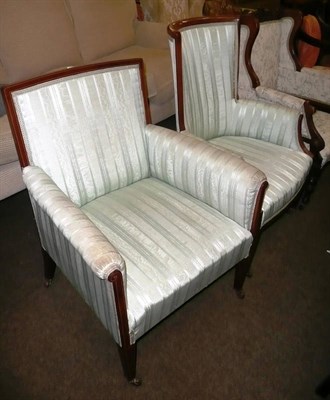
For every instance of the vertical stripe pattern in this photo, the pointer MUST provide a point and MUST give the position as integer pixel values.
(217, 177)
(70, 127)
(173, 246)
(208, 58)
(211, 109)
(75, 244)
(286, 169)
(170, 237)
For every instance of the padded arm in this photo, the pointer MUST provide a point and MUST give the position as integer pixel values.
(151, 34)
(309, 83)
(86, 257)
(309, 131)
(218, 178)
(72, 224)
(284, 99)
(269, 122)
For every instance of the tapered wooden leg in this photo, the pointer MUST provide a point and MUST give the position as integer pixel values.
(310, 183)
(128, 361)
(253, 250)
(241, 271)
(127, 351)
(49, 268)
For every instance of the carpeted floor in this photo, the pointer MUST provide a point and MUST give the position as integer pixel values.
(273, 345)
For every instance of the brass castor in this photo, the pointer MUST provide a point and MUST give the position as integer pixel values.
(136, 382)
(48, 282)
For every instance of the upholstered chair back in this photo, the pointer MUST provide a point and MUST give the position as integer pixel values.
(57, 119)
(205, 57)
(214, 51)
(271, 53)
(265, 56)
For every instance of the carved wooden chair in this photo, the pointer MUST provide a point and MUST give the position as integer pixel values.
(281, 79)
(205, 54)
(137, 217)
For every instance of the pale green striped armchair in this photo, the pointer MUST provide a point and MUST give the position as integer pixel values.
(205, 58)
(139, 218)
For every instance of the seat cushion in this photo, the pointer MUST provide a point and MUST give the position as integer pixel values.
(173, 245)
(285, 169)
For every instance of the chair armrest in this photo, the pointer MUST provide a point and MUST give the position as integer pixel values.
(311, 84)
(73, 226)
(277, 97)
(316, 82)
(309, 131)
(317, 79)
(222, 180)
(84, 254)
(269, 122)
(151, 34)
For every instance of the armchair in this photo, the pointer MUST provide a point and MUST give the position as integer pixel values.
(283, 80)
(137, 217)
(205, 58)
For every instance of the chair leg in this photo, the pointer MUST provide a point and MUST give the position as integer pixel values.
(128, 362)
(311, 182)
(244, 267)
(253, 250)
(49, 268)
(241, 271)
(127, 351)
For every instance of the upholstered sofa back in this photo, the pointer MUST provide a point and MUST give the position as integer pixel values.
(36, 36)
(104, 29)
(55, 34)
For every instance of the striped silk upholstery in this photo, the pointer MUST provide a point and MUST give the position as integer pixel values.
(286, 169)
(218, 178)
(83, 253)
(263, 134)
(70, 129)
(210, 108)
(139, 218)
(173, 245)
(208, 103)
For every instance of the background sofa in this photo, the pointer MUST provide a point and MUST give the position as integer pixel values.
(171, 10)
(55, 34)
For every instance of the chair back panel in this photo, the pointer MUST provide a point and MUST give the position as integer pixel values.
(86, 131)
(271, 50)
(209, 68)
(265, 56)
(288, 24)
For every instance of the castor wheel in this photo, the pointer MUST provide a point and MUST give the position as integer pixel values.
(48, 282)
(136, 382)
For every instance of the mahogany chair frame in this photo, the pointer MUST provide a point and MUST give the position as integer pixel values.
(127, 351)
